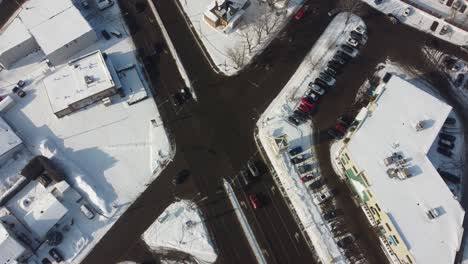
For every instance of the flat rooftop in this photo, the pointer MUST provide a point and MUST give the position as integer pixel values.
(15, 33)
(36, 12)
(8, 138)
(391, 128)
(60, 30)
(68, 85)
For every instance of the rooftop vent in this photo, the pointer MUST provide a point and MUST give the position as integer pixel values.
(395, 157)
(88, 79)
(420, 125)
(432, 214)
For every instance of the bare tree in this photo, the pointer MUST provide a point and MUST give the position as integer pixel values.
(351, 6)
(270, 21)
(258, 29)
(248, 37)
(237, 56)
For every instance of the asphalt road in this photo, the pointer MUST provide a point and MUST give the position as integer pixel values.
(214, 137)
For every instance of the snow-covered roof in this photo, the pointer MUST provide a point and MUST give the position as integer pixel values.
(60, 30)
(8, 138)
(45, 212)
(15, 34)
(390, 128)
(68, 85)
(10, 249)
(36, 12)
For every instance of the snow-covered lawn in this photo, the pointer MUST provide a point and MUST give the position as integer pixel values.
(422, 20)
(109, 153)
(222, 46)
(273, 124)
(181, 227)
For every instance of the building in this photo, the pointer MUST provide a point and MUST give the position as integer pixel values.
(54, 26)
(15, 43)
(12, 251)
(10, 143)
(225, 14)
(384, 159)
(82, 82)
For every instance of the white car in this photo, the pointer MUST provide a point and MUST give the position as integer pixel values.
(360, 29)
(323, 196)
(352, 42)
(316, 88)
(86, 210)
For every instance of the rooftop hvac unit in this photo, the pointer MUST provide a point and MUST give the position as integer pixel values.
(420, 125)
(403, 173)
(88, 79)
(395, 157)
(433, 213)
(392, 172)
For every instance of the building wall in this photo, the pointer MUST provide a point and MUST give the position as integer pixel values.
(12, 55)
(62, 54)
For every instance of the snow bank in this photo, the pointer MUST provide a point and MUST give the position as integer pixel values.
(181, 227)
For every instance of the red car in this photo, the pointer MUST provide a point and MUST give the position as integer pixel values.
(307, 178)
(304, 108)
(308, 102)
(340, 128)
(254, 201)
(301, 13)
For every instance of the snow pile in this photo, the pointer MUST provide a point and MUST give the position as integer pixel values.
(259, 26)
(180, 227)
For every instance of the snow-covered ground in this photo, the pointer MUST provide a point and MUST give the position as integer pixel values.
(109, 153)
(181, 227)
(219, 45)
(422, 20)
(273, 124)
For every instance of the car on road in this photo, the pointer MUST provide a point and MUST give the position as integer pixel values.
(307, 177)
(304, 168)
(352, 42)
(314, 186)
(445, 152)
(334, 11)
(253, 169)
(55, 254)
(351, 51)
(447, 137)
(254, 201)
(317, 89)
(105, 34)
(301, 13)
(181, 176)
(296, 150)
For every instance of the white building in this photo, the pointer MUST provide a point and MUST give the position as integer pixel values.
(81, 83)
(55, 26)
(10, 143)
(15, 43)
(11, 250)
(384, 158)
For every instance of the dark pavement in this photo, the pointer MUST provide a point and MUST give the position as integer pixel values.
(214, 137)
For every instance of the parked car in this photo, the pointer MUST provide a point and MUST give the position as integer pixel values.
(181, 176)
(305, 108)
(335, 134)
(445, 152)
(331, 215)
(323, 196)
(459, 80)
(295, 151)
(357, 36)
(345, 241)
(86, 210)
(300, 13)
(317, 89)
(351, 51)
(344, 55)
(316, 185)
(446, 144)
(327, 79)
(447, 137)
(334, 11)
(245, 177)
(352, 42)
(115, 33)
(253, 169)
(294, 120)
(339, 59)
(360, 30)
(254, 201)
(307, 177)
(449, 176)
(55, 254)
(21, 93)
(298, 159)
(434, 25)
(21, 83)
(105, 34)
(304, 168)
(450, 121)
(46, 261)
(330, 72)
(321, 83)
(311, 97)
(84, 4)
(340, 128)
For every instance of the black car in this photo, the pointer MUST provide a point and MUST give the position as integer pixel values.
(46, 261)
(295, 151)
(345, 242)
(448, 176)
(316, 185)
(331, 72)
(344, 55)
(446, 144)
(15, 89)
(297, 159)
(339, 60)
(326, 77)
(445, 152)
(21, 83)
(294, 120)
(335, 134)
(178, 99)
(300, 115)
(387, 77)
(54, 253)
(329, 216)
(347, 48)
(21, 93)
(450, 121)
(447, 137)
(355, 35)
(459, 80)
(304, 168)
(321, 83)
(181, 176)
(105, 34)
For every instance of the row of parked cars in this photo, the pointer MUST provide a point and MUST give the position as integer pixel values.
(446, 141)
(327, 78)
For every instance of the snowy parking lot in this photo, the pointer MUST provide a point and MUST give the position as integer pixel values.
(283, 141)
